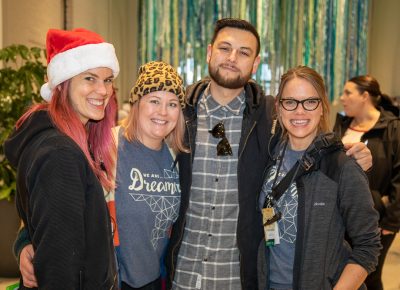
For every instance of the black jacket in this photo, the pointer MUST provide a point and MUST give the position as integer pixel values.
(61, 203)
(253, 158)
(384, 177)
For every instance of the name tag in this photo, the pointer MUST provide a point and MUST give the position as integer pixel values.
(271, 229)
(198, 281)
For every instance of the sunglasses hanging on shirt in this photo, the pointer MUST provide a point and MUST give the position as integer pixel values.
(223, 146)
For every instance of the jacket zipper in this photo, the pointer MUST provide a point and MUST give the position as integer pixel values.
(247, 138)
(240, 155)
(172, 274)
(184, 219)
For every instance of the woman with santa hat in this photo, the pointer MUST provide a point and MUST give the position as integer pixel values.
(63, 152)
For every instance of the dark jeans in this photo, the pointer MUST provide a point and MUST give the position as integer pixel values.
(374, 280)
(155, 285)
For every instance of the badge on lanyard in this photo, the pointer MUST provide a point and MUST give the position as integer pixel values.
(271, 229)
(270, 215)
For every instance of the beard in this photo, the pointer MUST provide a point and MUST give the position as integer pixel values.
(229, 83)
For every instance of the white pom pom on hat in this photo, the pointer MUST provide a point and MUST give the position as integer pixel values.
(70, 53)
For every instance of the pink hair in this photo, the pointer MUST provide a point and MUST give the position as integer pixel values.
(96, 137)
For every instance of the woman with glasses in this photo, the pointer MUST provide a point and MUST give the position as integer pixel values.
(372, 118)
(312, 196)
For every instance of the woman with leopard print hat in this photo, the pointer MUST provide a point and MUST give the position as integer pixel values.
(147, 195)
(146, 199)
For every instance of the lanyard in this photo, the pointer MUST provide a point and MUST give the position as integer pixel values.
(269, 199)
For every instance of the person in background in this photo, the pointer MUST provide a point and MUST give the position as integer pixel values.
(370, 119)
(214, 243)
(63, 152)
(308, 211)
(123, 113)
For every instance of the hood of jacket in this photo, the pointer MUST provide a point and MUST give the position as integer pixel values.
(35, 125)
(253, 93)
(384, 118)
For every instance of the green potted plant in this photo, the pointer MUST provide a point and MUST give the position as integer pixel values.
(21, 74)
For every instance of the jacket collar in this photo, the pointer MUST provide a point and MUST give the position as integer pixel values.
(253, 93)
(384, 118)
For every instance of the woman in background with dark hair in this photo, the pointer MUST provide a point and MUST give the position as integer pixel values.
(372, 118)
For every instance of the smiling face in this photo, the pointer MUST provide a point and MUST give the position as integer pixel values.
(232, 58)
(158, 115)
(89, 93)
(301, 125)
(353, 102)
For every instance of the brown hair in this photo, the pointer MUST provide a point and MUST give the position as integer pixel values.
(369, 84)
(315, 79)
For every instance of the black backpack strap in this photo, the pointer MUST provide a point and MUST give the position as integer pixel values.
(322, 145)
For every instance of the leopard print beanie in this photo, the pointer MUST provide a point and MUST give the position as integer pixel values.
(158, 76)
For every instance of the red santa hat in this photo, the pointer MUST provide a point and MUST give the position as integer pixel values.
(70, 53)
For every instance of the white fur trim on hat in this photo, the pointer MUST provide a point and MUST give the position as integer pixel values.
(72, 62)
(45, 92)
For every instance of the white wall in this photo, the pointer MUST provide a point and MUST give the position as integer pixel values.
(384, 45)
(26, 22)
(115, 20)
(124, 35)
(94, 15)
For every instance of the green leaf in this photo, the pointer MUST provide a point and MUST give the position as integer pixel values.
(5, 191)
(23, 52)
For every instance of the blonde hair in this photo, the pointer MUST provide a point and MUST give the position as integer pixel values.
(315, 79)
(175, 139)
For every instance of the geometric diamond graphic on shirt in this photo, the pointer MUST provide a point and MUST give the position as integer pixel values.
(167, 210)
(170, 174)
(287, 204)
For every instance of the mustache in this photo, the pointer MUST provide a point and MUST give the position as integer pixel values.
(228, 65)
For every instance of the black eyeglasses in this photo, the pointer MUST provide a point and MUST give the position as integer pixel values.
(223, 147)
(308, 104)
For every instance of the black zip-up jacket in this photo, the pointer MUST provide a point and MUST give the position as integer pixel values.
(384, 177)
(62, 205)
(253, 159)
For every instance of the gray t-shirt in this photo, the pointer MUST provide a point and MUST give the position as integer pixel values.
(281, 256)
(147, 201)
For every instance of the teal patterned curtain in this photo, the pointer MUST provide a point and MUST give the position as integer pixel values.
(327, 35)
